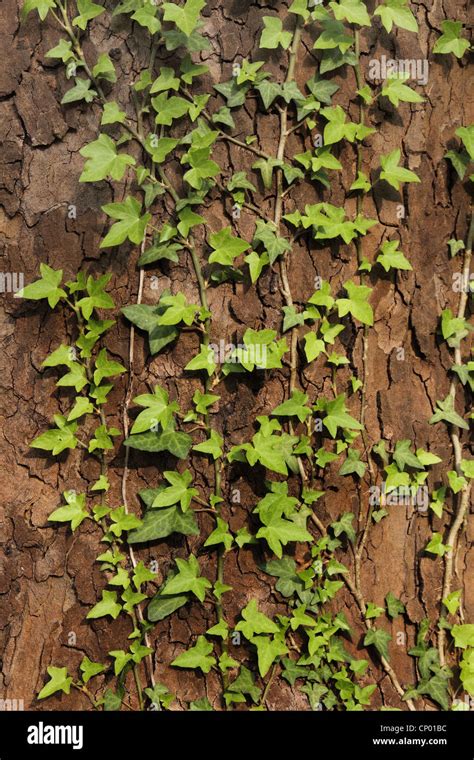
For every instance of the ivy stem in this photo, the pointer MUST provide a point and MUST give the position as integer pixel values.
(356, 593)
(285, 289)
(217, 462)
(464, 496)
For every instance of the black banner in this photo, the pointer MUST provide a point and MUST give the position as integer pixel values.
(339, 735)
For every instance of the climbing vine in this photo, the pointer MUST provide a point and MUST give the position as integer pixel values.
(159, 147)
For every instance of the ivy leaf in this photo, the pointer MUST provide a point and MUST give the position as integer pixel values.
(268, 649)
(396, 12)
(82, 406)
(146, 318)
(445, 412)
(277, 532)
(226, 247)
(294, 407)
(390, 257)
(373, 611)
(220, 535)
(123, 521)
(212, 446)
(436, 546)
(87, 11)
(379, 638)
(395, 90)
(90, 669)
(178, 491)
(59, 681)
(186, 17)
(273, 34)
(104, 68)
(188, 578)
(80, 91)
(394, 606)
(46, 287)
(161, 523)
(404, 457)
(63, 50)
(460, 162)
(199, 656)
(103, 160)
(132, 224)
(203, 360)
(108, 605)
(58, 439)
(353, 464)
(452, 601)
(353, 11)
(467, 136)
(338, 417)
(463, 635)
(255, 621)
(112, 114)
(451, 40)
(158, 409)
(175, 442)
(313, 346)
(96, 297)
(75, 511)
(42, 6)
(244, 684)
(393, 173)
(146, 17)
(105, 367)
(357, 303)
(344, 525)
(177, 310)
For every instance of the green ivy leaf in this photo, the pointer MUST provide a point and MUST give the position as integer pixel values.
(393, 173)
(90, 669)
(188, 578)
(42, 6)
(199, 656)
(80, 91)
(158, 410)
(294, 407)
(436, 546)
(273, 34)
(58, 680)
(75, 511)
(226, 247)
(390, 257)
(396, 12)
(59, 439)
(87, 11)
(379, 639)
(353, 11)
(445, 412)
(268, 649)
(452, 601)
(185, 17)
(46, 287)
(451, 40)
(394, 606)
(357, 303)
(396, 91)
(212, 446)
(103, 161)
(108, 605)
(131, 225)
